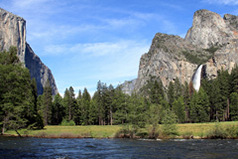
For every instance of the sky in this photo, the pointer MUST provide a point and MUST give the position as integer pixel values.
(84, 41)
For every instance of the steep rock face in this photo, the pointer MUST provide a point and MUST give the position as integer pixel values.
(210, 29)
(13, 33)
(167, 59)
(211, 41)
(39, 71)
(128, 86)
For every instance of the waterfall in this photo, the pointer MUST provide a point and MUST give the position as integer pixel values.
(197, 78)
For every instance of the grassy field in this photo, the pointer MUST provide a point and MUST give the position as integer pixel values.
(72, 131)
(198, 130)
(202, 129)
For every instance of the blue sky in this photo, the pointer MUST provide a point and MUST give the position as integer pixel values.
(84, 41)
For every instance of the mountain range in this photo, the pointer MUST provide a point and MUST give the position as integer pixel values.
(212, 41)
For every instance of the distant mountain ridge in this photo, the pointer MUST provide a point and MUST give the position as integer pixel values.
(13, 33)
(212, 41)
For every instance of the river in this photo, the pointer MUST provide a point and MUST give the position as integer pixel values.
(11, 147)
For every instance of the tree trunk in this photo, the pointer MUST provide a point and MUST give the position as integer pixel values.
(18, 133)
(3, 128)
(111, 116)
(4, 125)
(228, 109)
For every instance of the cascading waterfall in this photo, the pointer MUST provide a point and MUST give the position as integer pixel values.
(197, 78)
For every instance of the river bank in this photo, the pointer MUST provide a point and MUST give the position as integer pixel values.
(184, 131)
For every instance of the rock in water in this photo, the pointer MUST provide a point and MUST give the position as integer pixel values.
(13, 33)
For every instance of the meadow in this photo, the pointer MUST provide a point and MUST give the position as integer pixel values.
(187, 130)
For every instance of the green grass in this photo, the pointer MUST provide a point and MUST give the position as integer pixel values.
(202, 129)
(199, 130)
(71, 131)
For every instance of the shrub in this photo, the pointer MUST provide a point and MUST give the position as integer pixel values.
(219, 132)
(168, 123)
(67, 123)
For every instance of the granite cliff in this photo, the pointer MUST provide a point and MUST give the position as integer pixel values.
(13, 33)
(211, 41)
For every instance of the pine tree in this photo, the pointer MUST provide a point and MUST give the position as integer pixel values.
(234, 106)
(153, 91)
(85, 107)
(47, 103)
(58, 111)
(15, 92)
(234, 79)
(178, 107)
(77, 111)
(224, 84)
(171, 93)
(69, 103)
(199, 107)
(120, 103)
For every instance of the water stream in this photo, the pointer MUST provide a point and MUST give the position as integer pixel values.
(116, 148)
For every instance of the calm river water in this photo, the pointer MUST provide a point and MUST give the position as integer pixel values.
(116, 148)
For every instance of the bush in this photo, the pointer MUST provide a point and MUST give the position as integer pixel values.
(223, 133)
(232, 132)
(168, 123)
(67, 123)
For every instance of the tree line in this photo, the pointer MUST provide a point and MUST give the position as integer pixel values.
(20, 106)
(217, 100)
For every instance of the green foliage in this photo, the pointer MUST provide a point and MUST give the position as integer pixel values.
(199, 107)
(178, 107)
(234, 106)
(67, 123)
(47, 103)
(169, 120)
(219, 132)
(17, 93)
(153, 91)
(194, 57)
(58, 110)
(212, 49)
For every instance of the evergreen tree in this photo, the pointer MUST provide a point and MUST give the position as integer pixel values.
(171, 93)
(154, 117)
(213, 90)
(47, 103)
(177, 88)
(69, 103)
(234, 106)
(234, 79)
(85, 107)
(15, 92)
(224, 85)
(98, 96)
(199, 107)
(58, 111)
(153, 91)
(179, 109)
(120, 103)
(77, 111)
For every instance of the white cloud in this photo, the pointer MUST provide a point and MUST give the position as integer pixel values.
(98, 49)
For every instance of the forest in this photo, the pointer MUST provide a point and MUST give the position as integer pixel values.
(21, 107)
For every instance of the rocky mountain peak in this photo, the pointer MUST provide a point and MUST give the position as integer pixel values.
(209, 29)
(211, 41)
(13, 33)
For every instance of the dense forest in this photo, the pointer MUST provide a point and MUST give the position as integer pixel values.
(20, 106)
